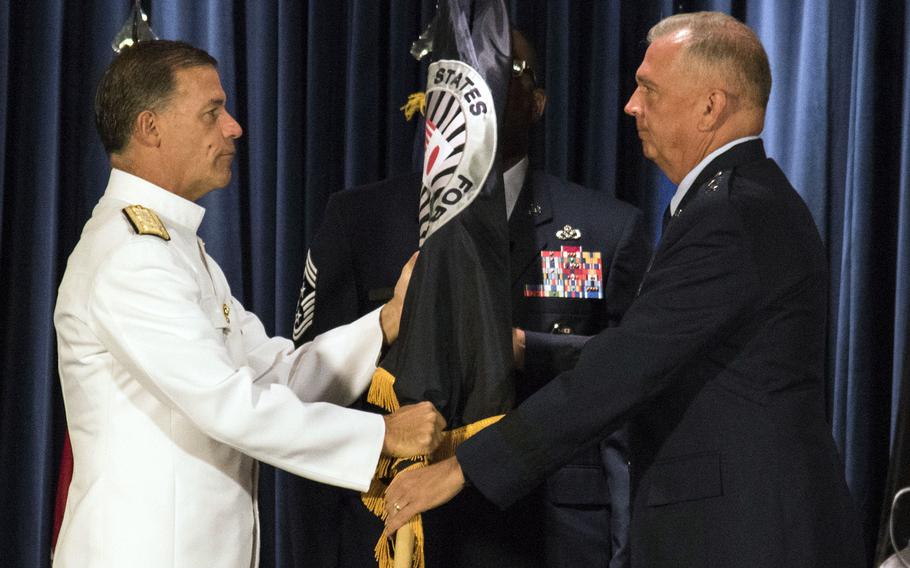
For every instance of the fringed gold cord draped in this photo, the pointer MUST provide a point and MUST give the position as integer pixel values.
(382, 394)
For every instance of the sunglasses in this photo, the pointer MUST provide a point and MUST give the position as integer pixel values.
(520, 66)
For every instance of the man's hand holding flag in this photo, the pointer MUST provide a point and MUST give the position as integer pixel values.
(415, 491)
(454, 349)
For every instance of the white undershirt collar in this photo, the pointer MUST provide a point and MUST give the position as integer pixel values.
(514, 179)
(135, 190)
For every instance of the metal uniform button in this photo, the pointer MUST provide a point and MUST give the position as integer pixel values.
(561, 329)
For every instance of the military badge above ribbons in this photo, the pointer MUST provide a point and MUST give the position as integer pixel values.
(454, 344)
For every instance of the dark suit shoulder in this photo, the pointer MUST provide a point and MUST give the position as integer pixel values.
(362, 196)
(762, 184)
(568, 195)
(774, 212)
(377, 215)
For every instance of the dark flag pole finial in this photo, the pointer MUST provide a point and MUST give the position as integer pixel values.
(423, 45)
(135, 29)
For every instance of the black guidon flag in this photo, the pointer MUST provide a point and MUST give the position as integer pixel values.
(454, 346)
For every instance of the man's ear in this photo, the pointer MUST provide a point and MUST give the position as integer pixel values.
(540, 103)
(146, 129)
(716, 107)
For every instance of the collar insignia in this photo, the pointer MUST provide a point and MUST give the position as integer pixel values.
(714, 182)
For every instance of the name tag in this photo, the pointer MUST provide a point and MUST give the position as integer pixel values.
(569, 272)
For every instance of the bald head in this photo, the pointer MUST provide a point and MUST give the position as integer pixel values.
(722, 48)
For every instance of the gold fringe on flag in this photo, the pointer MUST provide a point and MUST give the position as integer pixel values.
(382, 394)
(383, 552)
(416, 102)
(451, 439)
(382, 391)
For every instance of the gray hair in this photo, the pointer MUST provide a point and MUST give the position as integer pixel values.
(721, 44)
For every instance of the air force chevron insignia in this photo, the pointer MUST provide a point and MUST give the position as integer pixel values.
(459, 145)
(145, 222)
(306, 304)
(569, 272)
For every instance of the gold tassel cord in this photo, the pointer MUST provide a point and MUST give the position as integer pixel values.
(383, 552)
(416, 102)
(382, 391)
(382, 394)
(453, 438)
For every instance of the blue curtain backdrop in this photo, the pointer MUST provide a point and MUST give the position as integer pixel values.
(317, 86)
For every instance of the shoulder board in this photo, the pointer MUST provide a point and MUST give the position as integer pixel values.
(145, 222)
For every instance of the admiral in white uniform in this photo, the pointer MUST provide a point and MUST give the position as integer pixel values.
(172, 389)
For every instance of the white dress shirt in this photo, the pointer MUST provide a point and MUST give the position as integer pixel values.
(173, 390)
(514, 179)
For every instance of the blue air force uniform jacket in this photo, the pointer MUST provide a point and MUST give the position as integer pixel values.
(586, 502)
(718, 368)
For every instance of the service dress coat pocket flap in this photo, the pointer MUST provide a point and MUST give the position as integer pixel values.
(686, 478)
(579, 485)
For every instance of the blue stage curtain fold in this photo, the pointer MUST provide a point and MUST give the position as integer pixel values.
(317, 87)
(864, 356)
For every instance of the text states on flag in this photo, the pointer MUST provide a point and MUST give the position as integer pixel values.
(460, 142)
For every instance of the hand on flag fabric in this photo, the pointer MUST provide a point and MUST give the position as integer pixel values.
(414, 491)
(390, 315)
(412, 430)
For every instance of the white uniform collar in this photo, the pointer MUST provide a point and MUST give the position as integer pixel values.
(687, 181)
(137, 191)
(514, 179)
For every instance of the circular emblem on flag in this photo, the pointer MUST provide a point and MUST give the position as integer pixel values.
(460, 142)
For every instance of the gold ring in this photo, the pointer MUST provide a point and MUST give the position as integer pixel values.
(397, 507)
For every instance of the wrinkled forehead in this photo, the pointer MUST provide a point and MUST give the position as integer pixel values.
(661, 58)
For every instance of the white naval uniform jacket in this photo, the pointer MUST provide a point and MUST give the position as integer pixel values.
(169, 402)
